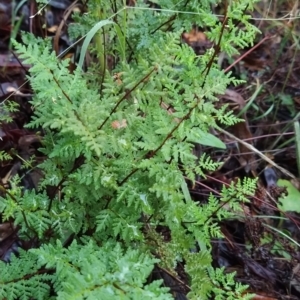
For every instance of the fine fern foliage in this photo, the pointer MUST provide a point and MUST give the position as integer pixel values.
(119, 147)
(23, 278)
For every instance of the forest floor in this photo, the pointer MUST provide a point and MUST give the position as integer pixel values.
(262, 247)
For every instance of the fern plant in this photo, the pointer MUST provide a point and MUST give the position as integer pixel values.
(119, 148)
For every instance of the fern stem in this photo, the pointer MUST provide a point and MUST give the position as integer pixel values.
(126, 95)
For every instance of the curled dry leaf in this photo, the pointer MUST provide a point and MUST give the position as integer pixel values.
(26, 140)
(52, 29)
(11, 89)
(234, 97)
(117, 78)
(197, 40)
(169, 109)
(119, 124)
(194, 36)
(241, 131)
(6, 229)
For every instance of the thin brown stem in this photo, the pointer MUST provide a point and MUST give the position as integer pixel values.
(169, 135)
(126, 95)
(248, 52)
(217, 47)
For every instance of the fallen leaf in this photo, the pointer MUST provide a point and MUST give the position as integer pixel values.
(119, 124)
(291, 202)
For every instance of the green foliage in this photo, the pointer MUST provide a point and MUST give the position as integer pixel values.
(7, 107)
(22, 278)
(108, 272)
(119, 148)
(4, 156)
(289, 201)
(80, 272)
(209, 282)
